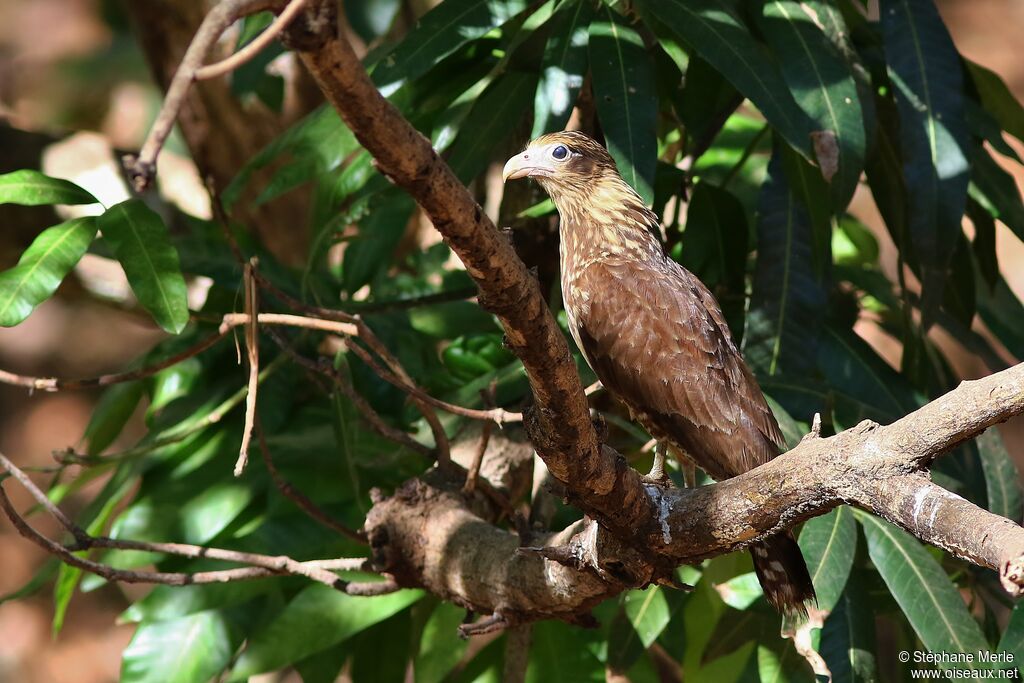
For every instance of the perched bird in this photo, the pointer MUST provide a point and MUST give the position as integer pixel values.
(655, 336)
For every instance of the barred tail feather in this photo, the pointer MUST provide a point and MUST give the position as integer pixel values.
(781, 569)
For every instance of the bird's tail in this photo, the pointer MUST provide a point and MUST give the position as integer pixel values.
(783, 574)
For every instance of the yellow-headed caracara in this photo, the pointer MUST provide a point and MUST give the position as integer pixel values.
(655, 335)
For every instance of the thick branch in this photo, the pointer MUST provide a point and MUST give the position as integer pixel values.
(506, 288)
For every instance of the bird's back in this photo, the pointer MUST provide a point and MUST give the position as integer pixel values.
(657, 339)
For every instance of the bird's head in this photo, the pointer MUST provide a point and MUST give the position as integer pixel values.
(566, 164)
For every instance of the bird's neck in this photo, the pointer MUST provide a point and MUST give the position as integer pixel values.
(606, 220)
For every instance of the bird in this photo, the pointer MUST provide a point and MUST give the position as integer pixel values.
(656, 337)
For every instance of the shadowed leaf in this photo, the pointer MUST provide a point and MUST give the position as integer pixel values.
(624, 93)
(933, 135)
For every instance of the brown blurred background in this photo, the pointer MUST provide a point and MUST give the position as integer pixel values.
(72, 65)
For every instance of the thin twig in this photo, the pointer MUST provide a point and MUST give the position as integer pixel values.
(253, 355)
(497, 415)
(258, 565)
(141, 168)
(376, 422)
(173, 435)
(297, 497)
(57, 384)
(254, 47)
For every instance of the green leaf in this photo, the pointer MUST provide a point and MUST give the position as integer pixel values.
(776, 665)
(315, 619)
(726, 44)
(491, 120)
(984, 243)
(560, 652)
(369, 253)
(32, 188)
(439, 33)
(1013, 637)
(1002, 480)
(108, 418)
(42, 268)
(172, 602)
(933, 133)
(848, 637)
(998, 100)
(997, 191)
(924, 592)
(441, 648)
(185, 650)
(787, 301)
(705, 95)
(623, 81)
(822, 83)
(829, 543)
(138, 237)
(563, 68)
(714, 247)
(1003, 314)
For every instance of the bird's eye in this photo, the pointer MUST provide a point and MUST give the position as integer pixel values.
(560, 152)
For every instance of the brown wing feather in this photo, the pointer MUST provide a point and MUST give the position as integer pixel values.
(657, 339)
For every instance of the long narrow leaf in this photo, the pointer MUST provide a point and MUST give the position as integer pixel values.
(829, 543)
(927, 597)
(32, 188)
(848, 637)
(823, 85)
(926, 73)
(42, 268)
(725, 43)
(139, 240)
(623, 79)
(565, 65)
(439, 33)
(1002, 480)
(787, 299)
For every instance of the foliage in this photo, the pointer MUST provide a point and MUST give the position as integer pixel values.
(832, 103)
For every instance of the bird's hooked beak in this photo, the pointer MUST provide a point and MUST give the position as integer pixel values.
(527, 164)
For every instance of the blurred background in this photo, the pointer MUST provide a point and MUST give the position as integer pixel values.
(75, 86)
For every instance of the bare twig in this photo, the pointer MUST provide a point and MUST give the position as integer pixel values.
(57, 384)
(258, 565)
(141, 168)
(372, 417)
(252, 340)
(296, 496)
(254, 47)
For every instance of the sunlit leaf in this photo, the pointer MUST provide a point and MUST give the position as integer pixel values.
(191, 648)
(924, 592)
(439, 33)
(32, 188)
(42, 267)
(565, 65)
(725, 43)
(315, 619)
(138, 237)
(823, 85)
(829, 543)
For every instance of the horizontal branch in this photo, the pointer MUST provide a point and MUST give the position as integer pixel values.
(255, 565)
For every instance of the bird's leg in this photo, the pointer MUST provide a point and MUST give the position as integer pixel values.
(657, 474)
(686, 466)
